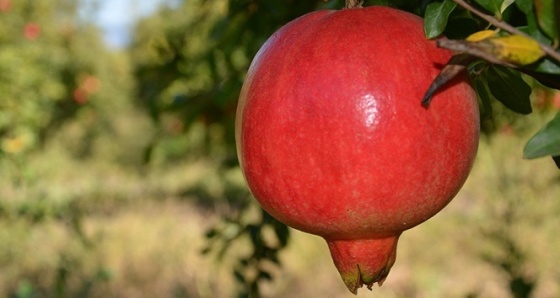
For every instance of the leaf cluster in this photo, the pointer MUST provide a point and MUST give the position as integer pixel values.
(267, 238)
(523, 42)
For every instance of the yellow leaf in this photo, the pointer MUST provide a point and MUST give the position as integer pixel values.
(480, 35)
(516, 49)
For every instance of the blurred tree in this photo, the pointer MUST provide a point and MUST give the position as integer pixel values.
(190, 61)
(53, 67)
(54, 70)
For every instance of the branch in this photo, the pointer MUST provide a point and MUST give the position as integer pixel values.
(550, 51)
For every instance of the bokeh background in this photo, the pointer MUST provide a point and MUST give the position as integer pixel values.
(119, 177)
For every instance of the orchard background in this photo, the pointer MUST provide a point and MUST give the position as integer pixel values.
(119, 177)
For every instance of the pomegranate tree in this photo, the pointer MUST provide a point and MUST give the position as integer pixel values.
(333, 140)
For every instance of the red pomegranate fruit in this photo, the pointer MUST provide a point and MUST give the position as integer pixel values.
(333, 140)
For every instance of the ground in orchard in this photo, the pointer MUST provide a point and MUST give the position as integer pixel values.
(140, 234)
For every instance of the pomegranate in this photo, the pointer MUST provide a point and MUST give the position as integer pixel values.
(31, 31)
(333, 140)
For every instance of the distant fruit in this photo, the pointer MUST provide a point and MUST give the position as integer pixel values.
(5, 5)
(31, 31)
(333, 140)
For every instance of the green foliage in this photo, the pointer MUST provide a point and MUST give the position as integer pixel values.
(538, 20)
(437, 14)
(484, 97)
(267, 237)
(56, 78)
(546, 141)
(509, 88)
(190, 61)
(548, 18)
(493, 6)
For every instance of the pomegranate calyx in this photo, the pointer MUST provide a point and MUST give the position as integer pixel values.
(363, 261)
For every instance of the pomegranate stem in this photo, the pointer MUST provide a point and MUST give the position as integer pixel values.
(354, 4)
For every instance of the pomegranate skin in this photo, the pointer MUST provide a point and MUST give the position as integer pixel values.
(333, 140)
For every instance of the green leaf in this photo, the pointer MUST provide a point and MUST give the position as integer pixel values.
(212, 233)
(484, 97)
(493, 6)
(436, 16)
(282, 233)
(206, 250)
(532, 29)
(545, 142)
(239, 276)
(548, 80)
(526, 6)
(548, 16)
(459, 27)
(509, 88)
(556, 160)
(547, 66)
(264, 275)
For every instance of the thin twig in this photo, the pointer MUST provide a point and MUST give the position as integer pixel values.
(550, 51)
